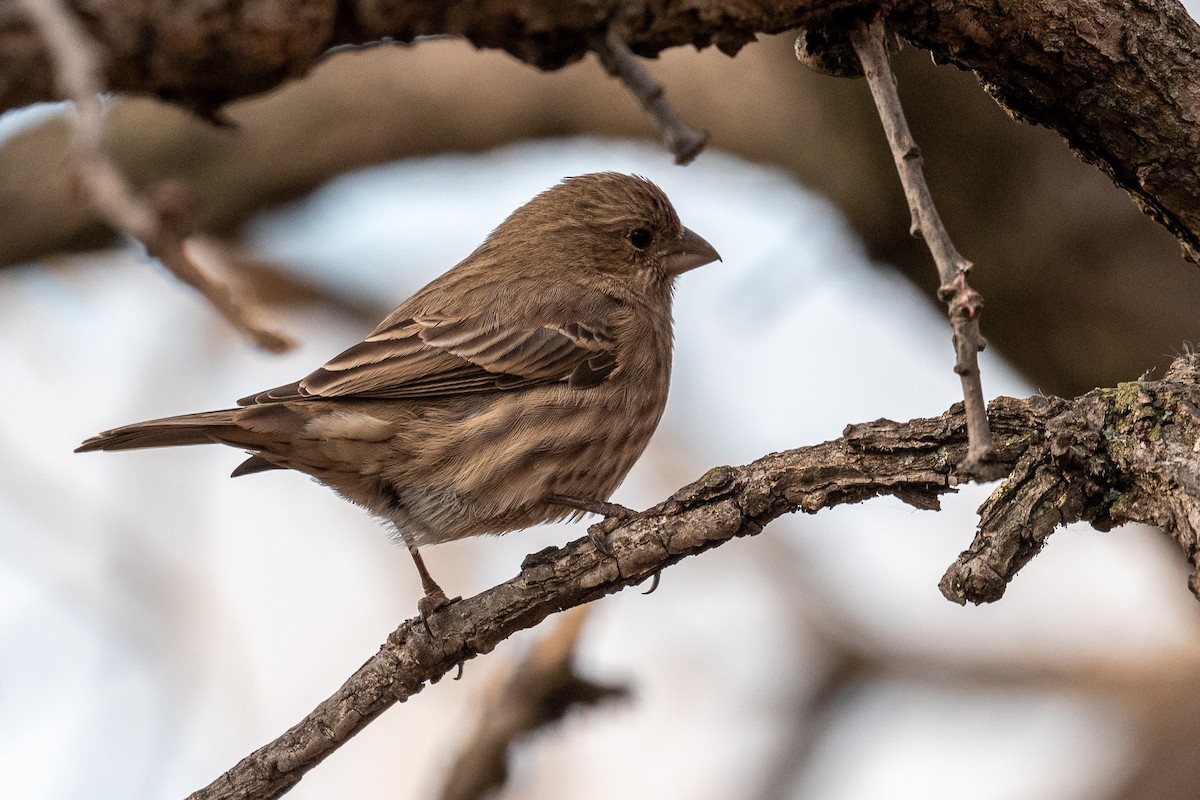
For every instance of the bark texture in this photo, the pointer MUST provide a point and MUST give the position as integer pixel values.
(1116, 78)
(1128, 454)
(1110, 456)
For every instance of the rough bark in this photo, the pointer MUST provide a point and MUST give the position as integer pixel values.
(1116, 78)
(1113, 456)
(1110, 456)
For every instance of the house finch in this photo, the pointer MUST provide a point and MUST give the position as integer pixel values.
(517, 388)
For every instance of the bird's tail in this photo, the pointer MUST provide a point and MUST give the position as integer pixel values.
(209, 427)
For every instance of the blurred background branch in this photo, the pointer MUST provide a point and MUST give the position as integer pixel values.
(161, 221)
(537, 692)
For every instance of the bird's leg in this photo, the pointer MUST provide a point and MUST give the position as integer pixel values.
(601, 507)
(434, 597)
(614, 514)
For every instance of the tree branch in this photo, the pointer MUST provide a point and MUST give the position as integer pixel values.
(1115, 455)
(1120, 82)
(1110, 456)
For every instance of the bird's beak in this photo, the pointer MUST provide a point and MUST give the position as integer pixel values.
(688, 252)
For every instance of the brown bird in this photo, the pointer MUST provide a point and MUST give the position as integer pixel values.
(517, 388)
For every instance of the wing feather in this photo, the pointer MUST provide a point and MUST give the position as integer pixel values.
(427, 355)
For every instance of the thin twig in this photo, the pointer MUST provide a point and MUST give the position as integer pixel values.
(684, 141)
(77, 70)
(963, 303)
(540, 690)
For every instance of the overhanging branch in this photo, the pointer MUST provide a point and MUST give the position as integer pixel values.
(1120, 82)
(1110, 456)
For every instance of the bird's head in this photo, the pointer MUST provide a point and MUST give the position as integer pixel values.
(618, 227)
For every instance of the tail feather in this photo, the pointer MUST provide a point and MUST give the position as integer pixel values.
(204, 428)
(254, 464)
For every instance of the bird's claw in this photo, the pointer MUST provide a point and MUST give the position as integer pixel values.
(654, 581)
(431, 602)
(598, 535)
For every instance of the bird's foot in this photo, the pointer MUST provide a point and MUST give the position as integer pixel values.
(432, 601)
(602, 507)
(615, 515)
(434, 597)
(598, 534)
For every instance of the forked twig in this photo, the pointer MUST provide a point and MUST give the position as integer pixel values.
(963, 303)
(684, 141)
(76, 60)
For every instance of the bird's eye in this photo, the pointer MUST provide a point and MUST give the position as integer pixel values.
(641, 238)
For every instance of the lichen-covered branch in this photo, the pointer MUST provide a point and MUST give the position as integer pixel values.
(1110, 456)
(1130, 454)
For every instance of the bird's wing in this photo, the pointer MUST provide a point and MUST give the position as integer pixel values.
(427, 355)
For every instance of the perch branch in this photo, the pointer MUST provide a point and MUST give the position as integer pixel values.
(161, 226)
(1124, 454)
(684, 141)
(962, 302)
(539, 692)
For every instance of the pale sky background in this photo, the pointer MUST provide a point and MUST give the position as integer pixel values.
(160, 621)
